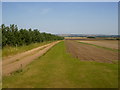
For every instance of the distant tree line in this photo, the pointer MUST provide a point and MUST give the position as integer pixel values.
(90, 37)
(13, 37)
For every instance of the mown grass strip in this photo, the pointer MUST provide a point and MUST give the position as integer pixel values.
(111, 49)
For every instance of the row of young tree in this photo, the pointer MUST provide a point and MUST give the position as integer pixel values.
(12, 36)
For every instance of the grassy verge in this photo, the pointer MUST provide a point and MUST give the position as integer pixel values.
(58, 69)
(111, 49)
(8, 50)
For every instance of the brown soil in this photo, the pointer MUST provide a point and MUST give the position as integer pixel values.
(90, 53)
(105, 43)
(19, 61)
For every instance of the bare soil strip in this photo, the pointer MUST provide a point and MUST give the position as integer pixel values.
(21, 55)
(13, 64)
(91, 53)
(106, 43)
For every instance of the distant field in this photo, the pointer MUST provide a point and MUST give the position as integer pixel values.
(58, 69)
(105, 43)
(75, 38)
(85, 38)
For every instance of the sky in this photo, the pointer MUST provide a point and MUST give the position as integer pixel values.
(63, 17)
(59, 0)
(0, 13)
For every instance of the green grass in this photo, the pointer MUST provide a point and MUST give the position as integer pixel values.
(58, 69)
(111, 49)
(8, 50)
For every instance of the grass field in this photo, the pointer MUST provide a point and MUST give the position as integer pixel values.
(58, 69)
(8, 50)
(0, 68)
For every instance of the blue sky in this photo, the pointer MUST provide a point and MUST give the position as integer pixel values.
(63, 17)
(0, 13)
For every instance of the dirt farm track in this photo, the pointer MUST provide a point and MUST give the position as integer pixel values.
(19, 61)
(90, 53)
